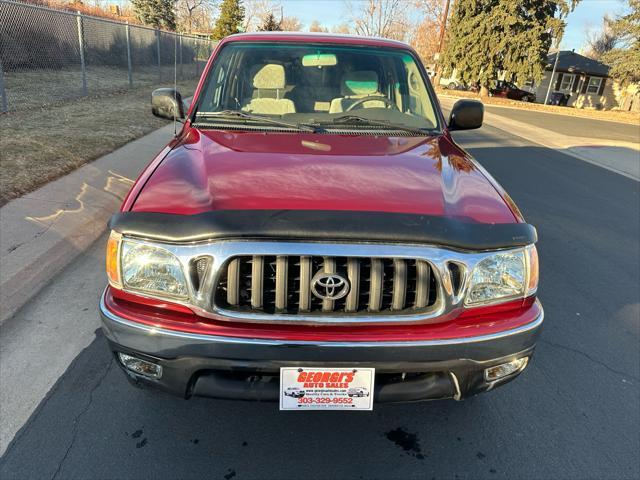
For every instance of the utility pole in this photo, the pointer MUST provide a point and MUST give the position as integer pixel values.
(443, 30)
(553, 72)
(443, 27)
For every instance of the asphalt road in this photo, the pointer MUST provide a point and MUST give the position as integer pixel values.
(571, 125)
(575, 413)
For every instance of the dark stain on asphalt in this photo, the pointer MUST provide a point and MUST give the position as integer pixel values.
(480, 455)
(231, 474)
(136, 434)
(195, 441)
(492, 470)
(141, 443)
(244, 444)
(407, 441)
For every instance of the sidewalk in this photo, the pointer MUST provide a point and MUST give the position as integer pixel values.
(43, 231)
(618, 156)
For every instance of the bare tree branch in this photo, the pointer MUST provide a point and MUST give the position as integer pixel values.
(379, 18)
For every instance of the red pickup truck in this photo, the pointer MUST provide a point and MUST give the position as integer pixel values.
(314, 227)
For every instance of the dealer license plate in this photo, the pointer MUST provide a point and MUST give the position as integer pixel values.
(317, 388)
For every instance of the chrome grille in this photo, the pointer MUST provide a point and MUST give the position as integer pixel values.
(282, 284)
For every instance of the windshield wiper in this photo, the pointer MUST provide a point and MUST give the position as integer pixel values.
(356, 119)
(249, 116)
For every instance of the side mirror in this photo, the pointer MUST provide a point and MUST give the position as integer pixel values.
(167, 103)
(466, 115)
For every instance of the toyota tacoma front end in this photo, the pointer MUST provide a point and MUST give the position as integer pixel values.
(314, 228)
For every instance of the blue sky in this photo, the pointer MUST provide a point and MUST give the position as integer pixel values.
(587, 15)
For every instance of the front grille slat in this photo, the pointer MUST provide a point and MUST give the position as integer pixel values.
(399, 284)
(288, 285)
(423, 282)
(375, 284)
(282, 267)
(304, 301)
(353, 274)
(233, 282)
(257, 277)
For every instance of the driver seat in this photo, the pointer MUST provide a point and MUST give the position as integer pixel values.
(355, 86)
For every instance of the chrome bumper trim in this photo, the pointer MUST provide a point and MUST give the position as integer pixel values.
(161, 332)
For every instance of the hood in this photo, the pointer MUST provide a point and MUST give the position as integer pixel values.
(220, 170)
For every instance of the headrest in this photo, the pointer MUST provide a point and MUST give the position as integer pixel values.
(363, 82)
(269, 77)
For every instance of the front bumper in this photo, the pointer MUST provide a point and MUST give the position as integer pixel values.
(240, 368)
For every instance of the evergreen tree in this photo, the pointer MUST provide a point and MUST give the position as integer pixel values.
(486, 37)
(270, 24)
(156, 13)
(230, 19)
(625, 59)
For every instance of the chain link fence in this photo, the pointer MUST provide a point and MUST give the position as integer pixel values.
(49, 56)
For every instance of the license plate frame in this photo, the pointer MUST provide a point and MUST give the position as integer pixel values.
(326, 388)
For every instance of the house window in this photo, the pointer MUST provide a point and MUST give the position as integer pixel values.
(594, 85)
(567, 81)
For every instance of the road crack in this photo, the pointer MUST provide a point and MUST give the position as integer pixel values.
(76, 420)
(589, 357)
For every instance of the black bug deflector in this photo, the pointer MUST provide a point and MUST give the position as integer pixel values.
(324, 225)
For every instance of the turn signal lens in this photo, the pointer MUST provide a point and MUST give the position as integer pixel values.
(532, 266)
(112, 263)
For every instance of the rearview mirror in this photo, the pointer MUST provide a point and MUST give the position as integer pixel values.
(167, 103)
(319, 60)
(466, 115)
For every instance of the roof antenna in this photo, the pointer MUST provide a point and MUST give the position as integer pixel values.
(175, 83)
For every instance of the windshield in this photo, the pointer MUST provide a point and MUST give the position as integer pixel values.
(299, 85)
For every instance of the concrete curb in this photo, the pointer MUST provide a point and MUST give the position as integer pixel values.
(43, 231)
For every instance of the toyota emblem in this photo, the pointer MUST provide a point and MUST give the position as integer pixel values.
(329, 286)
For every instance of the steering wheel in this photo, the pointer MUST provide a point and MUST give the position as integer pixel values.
(360, 102)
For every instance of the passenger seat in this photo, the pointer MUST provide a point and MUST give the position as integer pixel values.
(269, 82)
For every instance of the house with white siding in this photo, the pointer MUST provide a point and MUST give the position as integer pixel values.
(585, 80)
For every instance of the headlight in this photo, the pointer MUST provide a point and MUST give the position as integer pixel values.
(151, 269)
(504, 276)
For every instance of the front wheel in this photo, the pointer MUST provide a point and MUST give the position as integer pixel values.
(526, 98)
